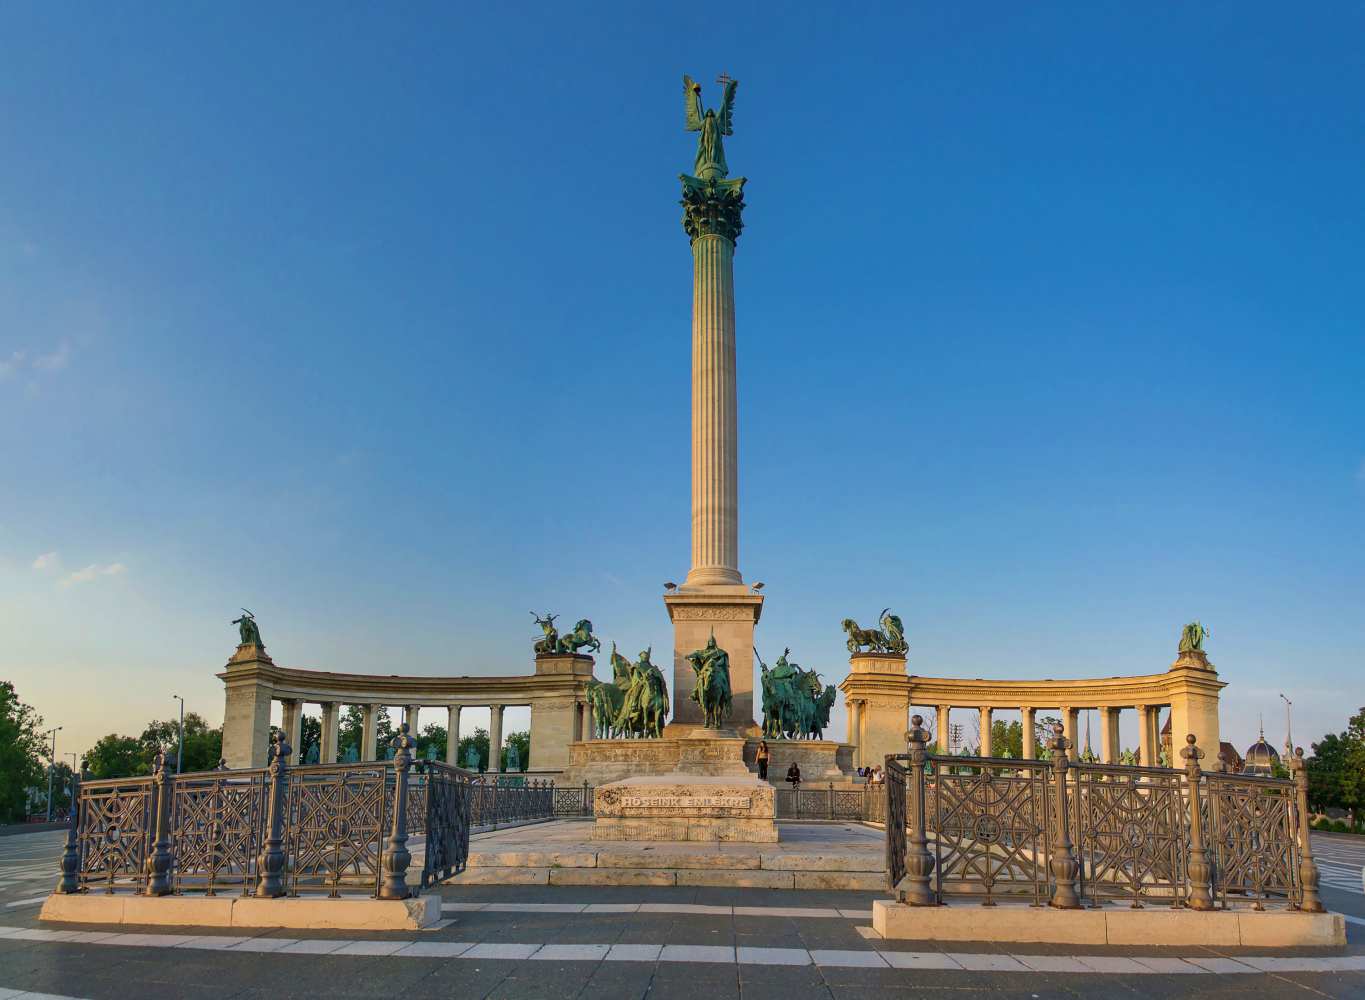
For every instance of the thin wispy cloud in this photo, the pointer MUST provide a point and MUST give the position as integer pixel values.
(93, 572)
(11, 364)
(55, 361)
(47, 561)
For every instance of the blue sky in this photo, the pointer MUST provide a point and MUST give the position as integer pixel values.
(376, 322)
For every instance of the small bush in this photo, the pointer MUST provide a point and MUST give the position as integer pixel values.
(1339, 826)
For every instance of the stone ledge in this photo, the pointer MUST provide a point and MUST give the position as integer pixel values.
(1022, 924)
(363, 914)
(749, 878)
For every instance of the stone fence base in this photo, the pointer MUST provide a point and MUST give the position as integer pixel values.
(1152, 925)
(355, 914)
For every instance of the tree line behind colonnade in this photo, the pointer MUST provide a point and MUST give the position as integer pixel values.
(431, 741)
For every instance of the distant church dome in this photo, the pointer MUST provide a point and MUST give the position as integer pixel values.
(1261, 757)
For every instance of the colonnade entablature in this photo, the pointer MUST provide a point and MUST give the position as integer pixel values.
(879, 694)
(556, 694)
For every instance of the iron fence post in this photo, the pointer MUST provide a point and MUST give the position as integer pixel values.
(270, 884)
(1198, 867)
(71, 855)
(1308, 869)
(1065, 867)
(829, 792)
(915, 889)
(397, 857)
(586, 801)
(159, 864)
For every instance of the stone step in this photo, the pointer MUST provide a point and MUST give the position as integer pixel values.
(744, 878)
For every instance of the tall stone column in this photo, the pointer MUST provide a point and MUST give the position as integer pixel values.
(453, 735)
(495, 738)
(369, 731)
(291, 721)
(943, 715)
(985, 749)
(1109, 735)
(1030, 748)
(855, 715)
(331, 726)
(713, 599)
(715, 431)
(1070, 723)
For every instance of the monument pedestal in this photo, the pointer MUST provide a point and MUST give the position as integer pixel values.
(686, 807)
(730, 613)
(877, 693)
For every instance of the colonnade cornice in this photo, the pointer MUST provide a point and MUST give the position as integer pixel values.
(327, 686)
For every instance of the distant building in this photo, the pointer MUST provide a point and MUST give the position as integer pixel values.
(1262, 758)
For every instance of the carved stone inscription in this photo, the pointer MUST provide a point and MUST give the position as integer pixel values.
(685, 802)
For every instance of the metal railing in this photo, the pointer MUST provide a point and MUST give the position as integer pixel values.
(831, 802)
(1070, 834)
(282, 830)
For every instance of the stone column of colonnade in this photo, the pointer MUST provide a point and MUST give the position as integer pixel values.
(291, 721)
(495, 738)
(369, 732)
(331, 732)
(453, 735)
(715, 435)
(985, 749)
(1026, 724)
(943, 740)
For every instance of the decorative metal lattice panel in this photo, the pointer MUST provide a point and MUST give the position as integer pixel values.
(989, 823)
(217, 829)
(573, 800)
(114, 832)
(1130, 832)
(896, 775)
(1252, 837)
(447, 821)
(338, 817)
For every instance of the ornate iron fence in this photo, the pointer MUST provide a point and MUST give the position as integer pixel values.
(111, 827)
(216, 823)
(1129, 829)
(856, 803)
(495, 803)
(991, 827)
(573, 800)
(279, 830)
(447, 803)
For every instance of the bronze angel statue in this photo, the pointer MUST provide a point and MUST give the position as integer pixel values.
(712, 125)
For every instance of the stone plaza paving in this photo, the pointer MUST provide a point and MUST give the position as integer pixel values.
(630, 941)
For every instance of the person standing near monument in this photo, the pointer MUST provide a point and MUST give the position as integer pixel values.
(763, 760)
(794, 775)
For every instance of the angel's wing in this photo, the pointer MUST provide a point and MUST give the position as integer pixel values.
(692, 103)
(727, 109)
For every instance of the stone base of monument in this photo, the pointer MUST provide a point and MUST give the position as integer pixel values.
(685, 808)
(600, 761)
(1018, 923)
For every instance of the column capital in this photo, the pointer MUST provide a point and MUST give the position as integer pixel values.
(712, 207)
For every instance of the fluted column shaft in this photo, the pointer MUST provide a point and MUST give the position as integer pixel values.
(715, 434)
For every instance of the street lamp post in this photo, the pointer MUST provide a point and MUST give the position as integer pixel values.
(180, 751)
(1288, 728)
(51, 766)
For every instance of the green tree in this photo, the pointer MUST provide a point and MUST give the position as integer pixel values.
(1007, 736)
(203, 746)
(1336, 769)
(116, 756)
(23, 751)
(432, 737)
